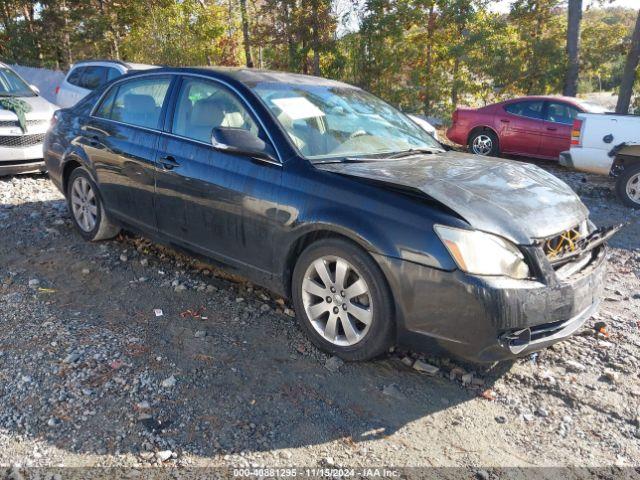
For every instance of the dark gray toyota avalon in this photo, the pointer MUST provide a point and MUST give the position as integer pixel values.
(327, 195)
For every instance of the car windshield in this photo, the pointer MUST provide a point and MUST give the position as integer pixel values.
(328, 121)
(11, 85)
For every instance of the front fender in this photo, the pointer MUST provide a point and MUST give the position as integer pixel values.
(387, 238)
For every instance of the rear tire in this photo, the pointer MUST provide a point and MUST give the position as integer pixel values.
(628, 186)
(350, 313)
(87, 210)
(485, 143)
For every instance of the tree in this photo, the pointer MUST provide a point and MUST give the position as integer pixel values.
(245, 33)
(574, 17)
(629, 74)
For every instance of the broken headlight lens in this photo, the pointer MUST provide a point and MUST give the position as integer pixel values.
(482, 253)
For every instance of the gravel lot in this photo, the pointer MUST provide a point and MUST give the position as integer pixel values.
(90, 375)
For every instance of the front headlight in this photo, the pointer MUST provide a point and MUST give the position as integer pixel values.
(482, 253)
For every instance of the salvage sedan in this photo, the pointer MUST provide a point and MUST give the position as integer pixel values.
(327, 195)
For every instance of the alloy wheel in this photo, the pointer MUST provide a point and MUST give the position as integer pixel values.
(337, 300)
(633, 188)
(83, 204)
(482, 145)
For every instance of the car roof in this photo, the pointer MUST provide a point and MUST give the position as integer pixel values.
(252, 76)
(127, 65)
(571, 100)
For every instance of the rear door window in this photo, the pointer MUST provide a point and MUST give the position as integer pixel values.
(528, 108)
(112, 73)
(75, 75)
(93, 77)
(135, 102)
(559, 112)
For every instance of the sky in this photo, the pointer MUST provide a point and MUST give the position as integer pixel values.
(351, 24)
(503, 5)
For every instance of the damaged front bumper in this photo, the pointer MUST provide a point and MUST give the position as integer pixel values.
(486, 319)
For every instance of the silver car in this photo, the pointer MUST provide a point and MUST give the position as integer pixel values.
(85, 76)
(21, 145)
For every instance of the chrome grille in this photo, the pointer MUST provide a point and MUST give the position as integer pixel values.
(21, 141)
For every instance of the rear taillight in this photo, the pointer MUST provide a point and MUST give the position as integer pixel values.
(454, 117)
(57, 89)
(576, 130)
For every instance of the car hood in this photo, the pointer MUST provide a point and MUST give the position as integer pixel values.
(41, 109)
(515, 200)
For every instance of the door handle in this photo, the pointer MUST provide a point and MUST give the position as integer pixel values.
(168, 162)
(552, 129)
(504, 120)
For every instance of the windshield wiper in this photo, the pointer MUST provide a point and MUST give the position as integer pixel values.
(381, 157)
(349, 160)
(413, 151)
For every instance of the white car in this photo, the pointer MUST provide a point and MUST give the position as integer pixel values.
(84, 77)
(608, 145)
(21, 145)
(425, 125)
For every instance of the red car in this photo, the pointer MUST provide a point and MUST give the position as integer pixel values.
(536, 126)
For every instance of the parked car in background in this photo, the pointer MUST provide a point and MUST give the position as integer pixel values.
(84, 77)
(329, 196)
(608, 145)
(536, 126)
(425, 125)
(21, 142)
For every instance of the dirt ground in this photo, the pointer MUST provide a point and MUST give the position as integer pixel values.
(90, 375)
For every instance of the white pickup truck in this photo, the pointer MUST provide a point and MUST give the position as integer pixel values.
(608, 145)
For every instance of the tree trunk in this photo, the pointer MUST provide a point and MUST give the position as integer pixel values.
(28, 12)
(574, 17)
(288, 27)
(245, 33)
(67, 60)
(429, 61)
(315, 38)
(629, 75)
(454, 83)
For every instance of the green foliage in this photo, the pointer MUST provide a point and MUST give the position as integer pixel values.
(425, 56)
(184, 33)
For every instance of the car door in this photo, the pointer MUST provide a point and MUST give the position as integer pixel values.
(520, 126)
(556, 132)
(218, 203)
(121, 138)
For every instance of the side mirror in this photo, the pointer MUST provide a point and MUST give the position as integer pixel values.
(35, 89)
(242, 142)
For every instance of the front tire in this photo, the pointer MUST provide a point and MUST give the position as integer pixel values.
(342, 300)
(484, 143)
(628, 186)
(87, 209)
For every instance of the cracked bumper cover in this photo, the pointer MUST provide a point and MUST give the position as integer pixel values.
(473, 316)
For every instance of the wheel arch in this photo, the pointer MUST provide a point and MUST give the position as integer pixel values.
(482, 128)
(321, 232)
(73, 159)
